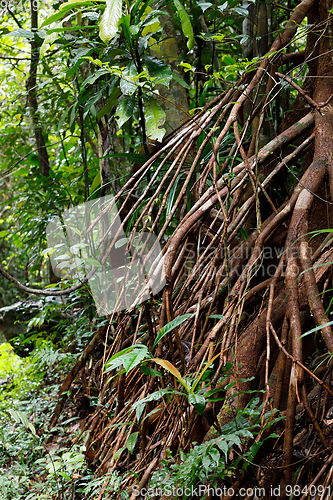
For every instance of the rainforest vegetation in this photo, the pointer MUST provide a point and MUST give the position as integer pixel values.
(197, 135)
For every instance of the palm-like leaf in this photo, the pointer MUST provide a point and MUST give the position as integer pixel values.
(108, 24)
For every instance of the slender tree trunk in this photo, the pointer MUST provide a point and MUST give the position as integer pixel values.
(43, 157)
(31, 83)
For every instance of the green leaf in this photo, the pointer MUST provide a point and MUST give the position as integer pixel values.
(126, 85)
(241, 11)
(121, 242)
(223, 447)
(223, 7)
(156, 410)
(233, 438)
(74, 3)
(21, 417)
(128, 357)
(316, 329)
(141, 159)
(119, 452)
(95, 184)
(181, 81)
(125, 24)
(198, 401)
(47, 43)
(216, 316)
(206, 462)
(92, 79)
(158, 68)
(134, 358)
(186, 23)
(155, 117)
(108, 25)
(147, 370)
(21, 33)
(204, 5)
(131, 441)
(171, 326)
(125, 109)
(65, 7)
(53, 18)
(14, 414)
(215, 455)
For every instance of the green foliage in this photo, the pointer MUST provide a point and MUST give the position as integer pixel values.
(210, 462)
(101, 67)
(194, 388)
(28, 470)
(186, 23)
(171, 326)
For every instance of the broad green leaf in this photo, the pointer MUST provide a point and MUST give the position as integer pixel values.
(92, 79)
(48, 41)
(93, 262)
(120, 358)
(155, 117)
(233, 438)
(121, 242)
(171, 326)
(95, 184)
(131, 441)
(158, 69)
(215, 455)
(126, 85)
(223, 446)
(147, 370)
(119, 452)
(108, 25)
(204, 5)
(172, 369)
(22, 33)
(198, 401)
(186, 23)
(241, 11)
(223, 7)
(125, 109)
(216, 316)
(74, 3)
(134, 358)
(125, 24)
(207, 462)
(181, 81)
(141, 159)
